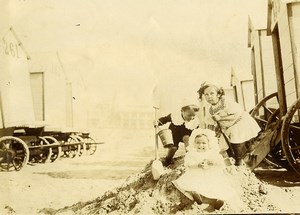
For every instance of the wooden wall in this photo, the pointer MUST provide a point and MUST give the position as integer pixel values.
(263, 66)
(284, 16)
(16, 101)
(294, 23)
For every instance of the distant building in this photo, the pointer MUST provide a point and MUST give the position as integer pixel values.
(127, 117)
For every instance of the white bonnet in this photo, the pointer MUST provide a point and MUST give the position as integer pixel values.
(213, 141)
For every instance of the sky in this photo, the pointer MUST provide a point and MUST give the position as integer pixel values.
(139, 52)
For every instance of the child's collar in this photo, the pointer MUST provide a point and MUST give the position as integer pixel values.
(177, 119)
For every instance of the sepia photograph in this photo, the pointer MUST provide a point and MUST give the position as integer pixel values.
(149, 107)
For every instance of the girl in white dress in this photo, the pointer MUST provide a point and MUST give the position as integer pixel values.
(238, 126)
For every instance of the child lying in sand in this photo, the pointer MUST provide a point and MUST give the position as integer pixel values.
(205, 180)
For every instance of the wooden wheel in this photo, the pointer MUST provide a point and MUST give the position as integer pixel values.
(267, 114)
(72, 147)
(276, 157)
(82, 145)
(91, 145)
(14, 153)
(56, 150)
(265, 109)
(38, 153)
(290, 136)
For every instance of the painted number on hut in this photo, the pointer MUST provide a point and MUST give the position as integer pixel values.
(11, 48)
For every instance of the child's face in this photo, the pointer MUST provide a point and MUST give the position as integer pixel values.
(201, 143)
(188, 115)
(211, 95)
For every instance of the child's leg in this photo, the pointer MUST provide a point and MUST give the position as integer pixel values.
(197, 197)
(171, 151)
(216, 204)
(239, 150)
(188, 194)
(223, 144)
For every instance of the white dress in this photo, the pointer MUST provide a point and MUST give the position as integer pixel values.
(239, 129)
(211, 181)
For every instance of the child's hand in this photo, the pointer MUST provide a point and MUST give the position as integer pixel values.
(216, 117)
(204, 164)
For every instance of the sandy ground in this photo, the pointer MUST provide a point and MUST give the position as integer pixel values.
(68, 181)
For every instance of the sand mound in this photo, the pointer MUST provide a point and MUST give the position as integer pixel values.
(140, 194)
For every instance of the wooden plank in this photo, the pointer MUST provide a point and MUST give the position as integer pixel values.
(295, 9)
(253, 71)
(268, 65)
(295, 33)
(37, 89)
(290, 86)
(291, 98)
(260, 149)
(287, 57)
(289, 74)
(279, 72)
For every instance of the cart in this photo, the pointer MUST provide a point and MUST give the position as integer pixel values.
(23, 137)
(23, 144)
(278, 112)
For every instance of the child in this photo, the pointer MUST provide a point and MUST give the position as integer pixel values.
(238, 126)
(205, 180)
(181, 123)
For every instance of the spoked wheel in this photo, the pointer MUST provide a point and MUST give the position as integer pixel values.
(73, 147)
(56, 150)
(40, 154)
(91, 145)
(265, 109)
(290, 136)
(276, 157)
(82, 146)
(267, 114)
(14, 153)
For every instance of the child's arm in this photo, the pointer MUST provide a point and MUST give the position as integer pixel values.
(163, 120)
(191, 159)
(185, 140)
(213, 159)
(229, 116)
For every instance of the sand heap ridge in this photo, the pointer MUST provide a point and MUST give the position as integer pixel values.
(140, 194)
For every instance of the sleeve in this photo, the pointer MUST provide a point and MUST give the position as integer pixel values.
(191, 158)
(232, 112)
(233, 108)
(163, 120)
(216, 159)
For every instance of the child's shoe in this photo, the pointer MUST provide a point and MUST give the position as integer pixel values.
(218, 204)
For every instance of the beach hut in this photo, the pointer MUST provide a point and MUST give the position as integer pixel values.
(15, 96)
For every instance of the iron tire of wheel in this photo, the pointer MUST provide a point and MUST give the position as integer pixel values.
(20, 150)
(290, 135)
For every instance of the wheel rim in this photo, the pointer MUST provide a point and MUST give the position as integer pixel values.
(82, 145)
(261, 112)
(276, 156)
(14, 153)
(266, 118)
(91, 146)
(290, 136)
(72, 148)
(45, 153)
(56, 151)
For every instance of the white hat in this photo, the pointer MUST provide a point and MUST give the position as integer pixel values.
(187, 101)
